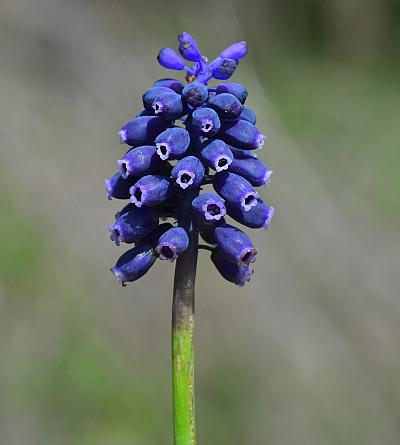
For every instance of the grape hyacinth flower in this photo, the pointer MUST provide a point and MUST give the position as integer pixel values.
(190, 166)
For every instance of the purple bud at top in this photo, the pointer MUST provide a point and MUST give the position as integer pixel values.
(248, 115)
(236, 89)
(172, 243)
(217, 155)
(168, 58)
(151, 190)
(243, 154)
(231, 272)
(195, 93)
(188, 172)
(223, 68)
(172, 143)
(236, 51)
(251, 169)
(226, 105)
(142, 130)
(257, 217)
(188, 47)
(173, 84)
(242, 134)
(151, 94)
(235, 245)
(117, 187)
(139, 161)
(209, 210)
(206, 121)
(236, 190)
(168, 105)
(134, 263)
(131, 226)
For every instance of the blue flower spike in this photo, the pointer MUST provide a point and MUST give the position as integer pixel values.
(193, 142)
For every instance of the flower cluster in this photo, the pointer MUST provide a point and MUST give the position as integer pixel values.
(184, 139)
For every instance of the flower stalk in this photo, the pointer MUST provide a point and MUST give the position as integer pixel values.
(183, 330)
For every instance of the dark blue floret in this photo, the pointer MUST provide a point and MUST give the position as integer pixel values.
(172, 243)
(117, 187)
(195, 93)
(236, 89)
(140, 161)
(242, 134)
(226, 105)
(131, 226)
(172, 84)
(205, 121)
(230, 271)
(217, 155)
(142, 130)
(188, 172)
(186, 141)
(236, 190)
(172, 143)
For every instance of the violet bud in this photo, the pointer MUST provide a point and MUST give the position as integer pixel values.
(231, 272)
(195, 93)
(168, 58)
(236, 51)
(236, 190)
(251, 169)
(172, 143)
(151, 190)
(248, 115)
(169, 105)
(242, 134)
(139, 161)
(236, 89)
(206, 121)
(134, 263)
(132, 225)
(188, 47)
(151, 94)
(209, 210)
(235, 245)
(217, 155)
(226, 105)
(243, 154)
(142, 130)
(257, 217)
(117, 187)
(172, 243)
(224, 68)
(188, 172)
(173, 84)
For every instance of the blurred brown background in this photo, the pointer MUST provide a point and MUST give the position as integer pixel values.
(307, 353)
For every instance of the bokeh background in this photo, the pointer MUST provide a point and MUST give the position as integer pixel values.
(308, 352)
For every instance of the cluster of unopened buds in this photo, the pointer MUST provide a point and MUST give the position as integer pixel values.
(184, 139)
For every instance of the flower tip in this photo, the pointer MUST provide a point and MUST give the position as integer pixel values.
(115, 234)
(123, 168)
(166, 252)
(163, 150)
(267, 177)
(270, 215)
(261, 141)
(107, 184)
(118, 275)
(249, 200)
(122, 136)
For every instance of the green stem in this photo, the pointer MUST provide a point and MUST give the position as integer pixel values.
(183, 331)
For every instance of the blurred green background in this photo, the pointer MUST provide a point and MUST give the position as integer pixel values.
(308, 352)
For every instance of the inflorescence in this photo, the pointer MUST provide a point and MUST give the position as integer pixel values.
(185, 138)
